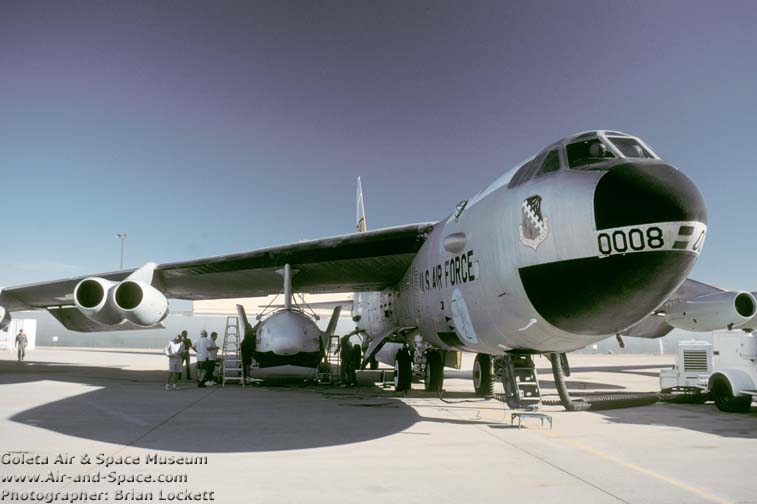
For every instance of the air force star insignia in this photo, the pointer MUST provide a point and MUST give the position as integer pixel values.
(534, 226)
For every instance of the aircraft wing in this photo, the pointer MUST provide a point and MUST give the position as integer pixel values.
(655, 326)
(366, 261)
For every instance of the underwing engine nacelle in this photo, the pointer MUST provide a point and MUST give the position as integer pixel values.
(722, 310)
(140, 303)
(93, 297)
(5, 318)
(133, 299)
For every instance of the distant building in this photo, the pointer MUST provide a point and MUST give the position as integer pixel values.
(320, 304)
(8, 336)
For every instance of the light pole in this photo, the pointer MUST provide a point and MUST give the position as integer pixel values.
(122, 237)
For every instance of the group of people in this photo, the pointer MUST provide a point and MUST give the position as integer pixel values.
(177, 351)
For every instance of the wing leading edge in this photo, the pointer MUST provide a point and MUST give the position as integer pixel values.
(364, 261)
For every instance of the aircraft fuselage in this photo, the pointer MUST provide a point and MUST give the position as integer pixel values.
(553, 262)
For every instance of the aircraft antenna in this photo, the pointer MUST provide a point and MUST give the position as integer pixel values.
(361, 227)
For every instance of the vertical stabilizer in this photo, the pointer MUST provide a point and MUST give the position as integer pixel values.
(360, 208)
(334, 320)
(246, 327)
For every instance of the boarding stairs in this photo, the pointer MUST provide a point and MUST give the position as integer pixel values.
(520, 381)
(231, 357)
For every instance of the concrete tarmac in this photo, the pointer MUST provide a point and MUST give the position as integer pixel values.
(106, 413)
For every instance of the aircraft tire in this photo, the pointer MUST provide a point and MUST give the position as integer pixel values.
(434, 375)
(403, 371)
(482, 375)
(724, 399)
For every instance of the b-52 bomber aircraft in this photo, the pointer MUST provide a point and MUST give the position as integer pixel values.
(592, 237)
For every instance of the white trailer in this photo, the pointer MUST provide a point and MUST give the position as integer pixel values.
(724, 371)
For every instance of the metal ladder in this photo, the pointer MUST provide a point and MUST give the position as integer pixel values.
(332, 361)
(520, 381)
(232, 360)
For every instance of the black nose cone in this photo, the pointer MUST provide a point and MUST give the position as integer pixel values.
(609, 292)
(644, 192)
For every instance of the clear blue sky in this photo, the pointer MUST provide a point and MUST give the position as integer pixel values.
(203, 128)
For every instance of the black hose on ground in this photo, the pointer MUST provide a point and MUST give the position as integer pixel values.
(598, 401)
(562, 388)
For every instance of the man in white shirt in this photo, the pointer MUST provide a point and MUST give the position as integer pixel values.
(212, 358)
(173, 351)
(201, 347)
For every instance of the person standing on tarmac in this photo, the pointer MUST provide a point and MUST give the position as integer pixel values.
(346, 368)
(247, 348)
(185, 357)
(212, 358)
(21, 342)
(357, 357)
(174, 350)
(201, 347)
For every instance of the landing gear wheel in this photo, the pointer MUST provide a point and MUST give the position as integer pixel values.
(724, 399)
(403, 371)
(373, 363)
(482, 375)
(434, 375)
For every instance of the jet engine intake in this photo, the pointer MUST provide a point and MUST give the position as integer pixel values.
(93, 297)
(5, 318)
(722, 310)
(140, 303)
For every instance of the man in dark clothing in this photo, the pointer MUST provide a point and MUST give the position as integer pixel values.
(185, 356)
(247, 348)
(346, 368)
(357, 357)
(21, 342)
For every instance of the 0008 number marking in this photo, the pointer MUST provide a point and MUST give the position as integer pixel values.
(633, 240)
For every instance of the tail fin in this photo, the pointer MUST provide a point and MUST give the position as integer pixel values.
(246, 327)
(334, 319)
(360, 208)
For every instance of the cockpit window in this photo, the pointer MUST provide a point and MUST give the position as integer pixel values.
(631, 148)
(544, 163)
(587, 153)
(551, 163)
(526, 171)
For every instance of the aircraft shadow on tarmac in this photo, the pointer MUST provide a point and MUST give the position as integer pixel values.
(696, 417)
(572, 383)
(132, 408)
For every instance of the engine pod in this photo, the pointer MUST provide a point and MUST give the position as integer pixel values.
(722, 310)
(93, 297)
(5, 318)
(140, 303)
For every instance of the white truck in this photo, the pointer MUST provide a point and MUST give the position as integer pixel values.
(724, 371)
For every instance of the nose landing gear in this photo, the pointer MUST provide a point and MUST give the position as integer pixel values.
(482, 375)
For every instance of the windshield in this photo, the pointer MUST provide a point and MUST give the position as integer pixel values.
(587, 152)
(631, 148)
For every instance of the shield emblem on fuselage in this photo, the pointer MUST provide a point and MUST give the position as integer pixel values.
(534, 226)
